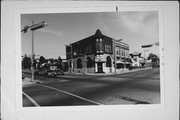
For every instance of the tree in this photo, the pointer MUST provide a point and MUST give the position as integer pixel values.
(34, 63)
(29, 63)
(59, 62)
(26, 62)
(51, 60)
(155, 59)
(42, 60)
(59, 59)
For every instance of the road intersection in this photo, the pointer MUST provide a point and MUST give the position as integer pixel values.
(138, 87)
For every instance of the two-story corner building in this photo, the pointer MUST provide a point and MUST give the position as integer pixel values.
(97, 54)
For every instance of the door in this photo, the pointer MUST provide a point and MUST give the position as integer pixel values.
(100, 67)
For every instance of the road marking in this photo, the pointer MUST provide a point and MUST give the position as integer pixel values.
(32, 100)
(71, 94)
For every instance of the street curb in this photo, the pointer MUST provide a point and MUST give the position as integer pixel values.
(29, 82)
(106, 74)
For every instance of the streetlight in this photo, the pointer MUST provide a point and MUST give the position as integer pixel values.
(33, 27)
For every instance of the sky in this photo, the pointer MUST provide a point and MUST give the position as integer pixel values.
(134, 28)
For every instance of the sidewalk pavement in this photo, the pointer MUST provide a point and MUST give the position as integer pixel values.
(28, 82)
(112, 73)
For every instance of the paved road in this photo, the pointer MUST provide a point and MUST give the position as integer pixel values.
(140, 87)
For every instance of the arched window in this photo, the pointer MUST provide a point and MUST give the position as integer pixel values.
(79, 63)
(108, 62)
(89, 62)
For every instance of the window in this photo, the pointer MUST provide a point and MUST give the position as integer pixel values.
(108, 62)
(123, 52)
(89, 62)
(120, 51)
(79, 63)
(107, 48)
(99, 45)
(87, 48)
(120, 65)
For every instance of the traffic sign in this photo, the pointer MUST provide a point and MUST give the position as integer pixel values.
(38, 26)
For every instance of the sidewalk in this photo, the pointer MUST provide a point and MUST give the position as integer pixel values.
(28, 82)
(112, 73)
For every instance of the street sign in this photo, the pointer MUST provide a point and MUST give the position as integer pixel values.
(145, 46)
(25, 29)
(38, 26)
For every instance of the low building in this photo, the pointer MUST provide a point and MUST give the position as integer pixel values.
(97, 54)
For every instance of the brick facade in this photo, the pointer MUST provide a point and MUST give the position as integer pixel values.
(97, 54)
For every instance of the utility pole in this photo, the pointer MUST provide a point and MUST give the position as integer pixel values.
(114, 46)
(33, 27)
(71, 58)
(85, 61)
(125, 59)
(32, 55)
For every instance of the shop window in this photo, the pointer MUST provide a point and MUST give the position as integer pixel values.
(79, 63)
(89, 62)
(120, 65)
(108, 62)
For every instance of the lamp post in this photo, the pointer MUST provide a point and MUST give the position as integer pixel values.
(32, 56)
(33, 27)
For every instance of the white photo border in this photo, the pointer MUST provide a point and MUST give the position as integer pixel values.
(75, 8)
(86, 10)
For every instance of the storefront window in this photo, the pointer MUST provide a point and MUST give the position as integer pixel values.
(89, 62)
(120, 65)
(79, 63)
(108, 62)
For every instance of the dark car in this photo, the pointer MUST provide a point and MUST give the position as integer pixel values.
(59, 72)
(48, 73)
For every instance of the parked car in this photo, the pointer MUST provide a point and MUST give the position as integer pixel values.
(48, 73)
(59, 72)
(50, 70)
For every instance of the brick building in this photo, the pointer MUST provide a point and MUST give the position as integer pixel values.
(97, 54)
